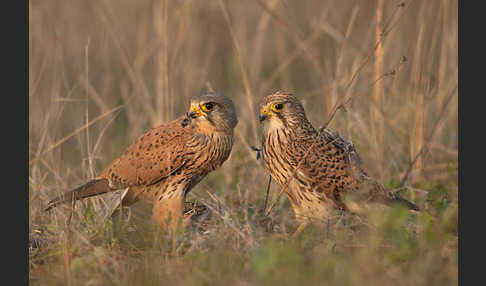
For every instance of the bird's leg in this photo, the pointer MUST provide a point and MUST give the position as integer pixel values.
(167, 212)
(301, 227)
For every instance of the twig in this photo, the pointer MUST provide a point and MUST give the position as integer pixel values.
(339, 103)
(65, 138)
(90, 155)
(224, 217)
(259, 152)
(392, 72)
(239, 57)
(296, 33)
(268, 191)
(429, 139)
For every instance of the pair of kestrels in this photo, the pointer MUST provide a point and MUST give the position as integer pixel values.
(313, 168)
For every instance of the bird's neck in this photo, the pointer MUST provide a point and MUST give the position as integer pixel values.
(207, 129)
(301, 129)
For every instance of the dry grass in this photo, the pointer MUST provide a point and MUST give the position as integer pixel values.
(103, 72)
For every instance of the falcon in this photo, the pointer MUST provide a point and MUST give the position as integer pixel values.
(166, 162)
(313, 168)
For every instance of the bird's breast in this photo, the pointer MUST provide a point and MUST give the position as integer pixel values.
(275, 155)
(210, 151)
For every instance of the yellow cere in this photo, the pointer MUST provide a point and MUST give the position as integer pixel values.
(264, 111)
(196, 109)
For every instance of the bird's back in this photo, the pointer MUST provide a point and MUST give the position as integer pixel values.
(154, 155)
(166, 156)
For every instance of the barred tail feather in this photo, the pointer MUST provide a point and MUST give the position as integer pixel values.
(380, 194)
(92, 188)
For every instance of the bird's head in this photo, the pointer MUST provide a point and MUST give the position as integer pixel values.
(211, 112)
(281, 110)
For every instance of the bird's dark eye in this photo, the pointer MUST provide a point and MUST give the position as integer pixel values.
(207, 106)
(277, 106)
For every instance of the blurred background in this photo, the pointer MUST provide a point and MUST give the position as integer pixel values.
(103, 72)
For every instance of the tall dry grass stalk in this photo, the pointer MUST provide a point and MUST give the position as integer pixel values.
(162, 99)
(376, 120)
(417, 131)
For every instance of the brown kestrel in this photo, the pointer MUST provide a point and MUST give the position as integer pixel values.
(166, 162)
(314, 169)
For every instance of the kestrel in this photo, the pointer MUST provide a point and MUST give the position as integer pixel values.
(313, 169)
(166, 162)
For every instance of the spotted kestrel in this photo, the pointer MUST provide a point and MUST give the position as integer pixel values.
(314, 169)
(166, 162)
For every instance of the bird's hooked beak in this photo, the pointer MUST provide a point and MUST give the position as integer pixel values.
(195, 112)
(264, 113)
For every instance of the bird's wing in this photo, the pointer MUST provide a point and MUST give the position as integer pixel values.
(327, 167)
(153, 156)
